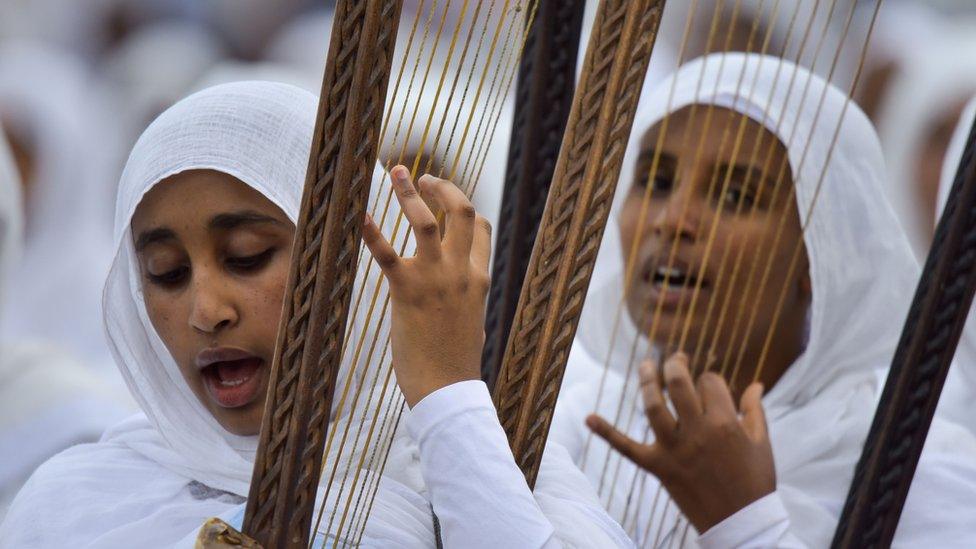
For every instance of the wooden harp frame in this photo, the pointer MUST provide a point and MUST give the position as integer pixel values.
(918, 371)
(543, 99)
(575, 216)
(284, 484)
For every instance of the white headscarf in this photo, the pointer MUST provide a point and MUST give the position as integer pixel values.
(934, 78)
(960, 387)
(820, 409)
(46, 99)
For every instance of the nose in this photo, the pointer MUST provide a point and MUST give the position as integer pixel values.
(678, 217)
(212, 308)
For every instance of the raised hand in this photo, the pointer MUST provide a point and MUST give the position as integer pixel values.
(438, 296)
(710, 460)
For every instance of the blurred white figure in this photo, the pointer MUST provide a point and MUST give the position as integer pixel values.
(61, 140)
(154, 68)
(303, 43)
(229, 71)
(917, 119)
(69, 24)
(959, 393)
(900, 28)
(247, 25)
(48, 401)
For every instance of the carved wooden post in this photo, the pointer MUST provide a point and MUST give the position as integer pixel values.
(572, 225)
(324, 259)
(918, 371)
(543, 99)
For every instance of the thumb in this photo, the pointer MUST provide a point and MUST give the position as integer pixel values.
(753, 414)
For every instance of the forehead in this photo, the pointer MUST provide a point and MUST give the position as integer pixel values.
(713, 131)
(194, 197)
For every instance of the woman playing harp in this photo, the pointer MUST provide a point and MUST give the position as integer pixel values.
(205, 220)
(793, 337)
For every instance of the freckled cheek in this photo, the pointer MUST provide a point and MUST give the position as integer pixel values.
(170, 318)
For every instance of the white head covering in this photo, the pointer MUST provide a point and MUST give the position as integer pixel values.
(934, 78)
(820, 409)
(46, 99)
(176, 459)
(960, 387)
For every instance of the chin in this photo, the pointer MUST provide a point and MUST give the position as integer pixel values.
(242, 423)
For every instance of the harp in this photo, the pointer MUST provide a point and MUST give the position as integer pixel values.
(353, 120)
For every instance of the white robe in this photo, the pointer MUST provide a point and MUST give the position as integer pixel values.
(157, 476)
(820, 410)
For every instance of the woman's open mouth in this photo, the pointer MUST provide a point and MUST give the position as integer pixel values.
(673, 285)
(232, 376)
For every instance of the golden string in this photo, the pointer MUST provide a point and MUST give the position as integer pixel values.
(415, 164)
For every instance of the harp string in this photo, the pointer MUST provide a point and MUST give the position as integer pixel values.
(365, 371)
(685, 139)
(792, 191)
(355, 310)
(512, 72)
(372, 345)
(757, 146)
(712, 184)
(726, 132)
(821, 178)
(830, 152)
(509, 78)
(689, 20)
(783, 166)
(786, 100)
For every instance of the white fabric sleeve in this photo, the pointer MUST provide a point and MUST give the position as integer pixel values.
(763, 523)
(478, 493)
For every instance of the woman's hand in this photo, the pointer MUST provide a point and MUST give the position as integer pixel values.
(712, 462)
(438, 296)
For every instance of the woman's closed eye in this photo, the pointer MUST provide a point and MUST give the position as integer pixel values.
(169, 278)
(250, 263)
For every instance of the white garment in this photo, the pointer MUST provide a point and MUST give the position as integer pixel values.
(46, 100)
(933, 79)
(959, 392)
(168, 470)
(47, 400)
(820, 409)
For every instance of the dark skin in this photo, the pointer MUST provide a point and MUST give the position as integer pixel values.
(680, 219)
(208, 285)
(214, 255)
(712, 457)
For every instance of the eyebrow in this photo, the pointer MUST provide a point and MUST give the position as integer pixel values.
(153, 236)
(756, 174)
(232, 220)
(221, 222)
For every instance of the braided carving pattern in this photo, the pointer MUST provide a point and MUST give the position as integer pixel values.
(919, 368)
(544, 94)
(573, 222)
(325, 258)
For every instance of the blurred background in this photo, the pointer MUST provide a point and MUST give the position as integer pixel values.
(81, 79)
